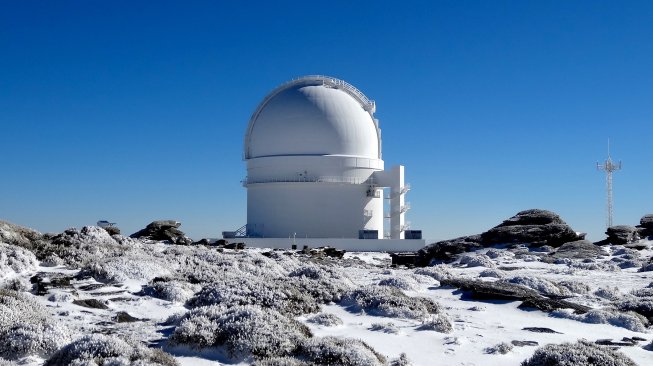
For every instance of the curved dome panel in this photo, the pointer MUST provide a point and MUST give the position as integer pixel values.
(313, 116)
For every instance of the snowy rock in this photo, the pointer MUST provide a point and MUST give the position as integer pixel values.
(448, 249)
(164, 230)
(622, 234)
(579, 249)
(476, 260)
(535, 226)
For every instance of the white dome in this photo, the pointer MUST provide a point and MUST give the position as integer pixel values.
(314, 115)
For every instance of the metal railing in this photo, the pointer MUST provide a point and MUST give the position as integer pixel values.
(323, 179)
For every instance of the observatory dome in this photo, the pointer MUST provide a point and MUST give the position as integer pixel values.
(314, 115)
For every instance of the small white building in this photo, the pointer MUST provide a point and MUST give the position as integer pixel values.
(315, 172)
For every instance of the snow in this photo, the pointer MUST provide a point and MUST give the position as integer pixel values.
(234, 284)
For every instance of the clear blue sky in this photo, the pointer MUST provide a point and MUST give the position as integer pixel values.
(135, 110)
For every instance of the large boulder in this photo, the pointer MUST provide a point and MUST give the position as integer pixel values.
(164, 230)
(646, 226)
(622, 234)
(537, 227)
(446, 250)
(580, 249)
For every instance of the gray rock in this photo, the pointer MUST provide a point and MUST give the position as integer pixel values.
(91, 303)
(538, 227)
(112, 230)
(524, 343)
(646, 221)
(580, 249)
(501, 290)
(164, 230)
(622, 234)
(447, 250)
(540, 330)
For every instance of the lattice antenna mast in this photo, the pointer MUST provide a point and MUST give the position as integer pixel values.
(609, 167)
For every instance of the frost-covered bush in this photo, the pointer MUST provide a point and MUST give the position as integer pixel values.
(280, 361)
(629, 320)
(102, 350)
(171, 290)
(390, 302)
(323, 283)
(575, 287)
(385, 328)
(402, 283)
(244, 331)
(60, 297)
(79, 248)
(640, 305)
(340, 351)
(438, 272)
(476, 260)
(608, 293)
(579, 353)
(19, 284)
(494, 253)
(15, 260)
(438, 323)
(543, 286)
(325, 319)
(136, 266)
(494, 273)
(402, 360)
(233, 289)
(26, 328)
(499, 349)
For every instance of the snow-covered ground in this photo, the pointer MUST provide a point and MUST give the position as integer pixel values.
(126, 284)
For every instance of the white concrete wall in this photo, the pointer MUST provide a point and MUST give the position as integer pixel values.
(352, 245)
(313, 210)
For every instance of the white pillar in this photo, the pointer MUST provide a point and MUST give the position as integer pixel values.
(397, 211)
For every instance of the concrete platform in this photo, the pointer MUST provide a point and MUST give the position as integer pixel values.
(352, 245)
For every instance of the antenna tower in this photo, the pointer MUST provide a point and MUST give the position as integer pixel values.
(609, 167)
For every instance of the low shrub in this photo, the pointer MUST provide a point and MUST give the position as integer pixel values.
(402, 283)
(99, 349)
(15, 260)
(26, 327)
(579, 353)
(499, 349)
(244, 331)
(171, 290)
(390, 302)
(438, 272)
(279, 294)
(439, 323)
(543, 286)
(389, 327)
(325, 319)
(629, 320)
(340, 351)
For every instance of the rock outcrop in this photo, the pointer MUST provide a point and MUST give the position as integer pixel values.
(164, 230)
(538, 227)
(622, 234)
(580, 249)
(645, 226)
(535, 227)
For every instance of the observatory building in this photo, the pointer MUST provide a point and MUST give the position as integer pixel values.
(315, 174)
